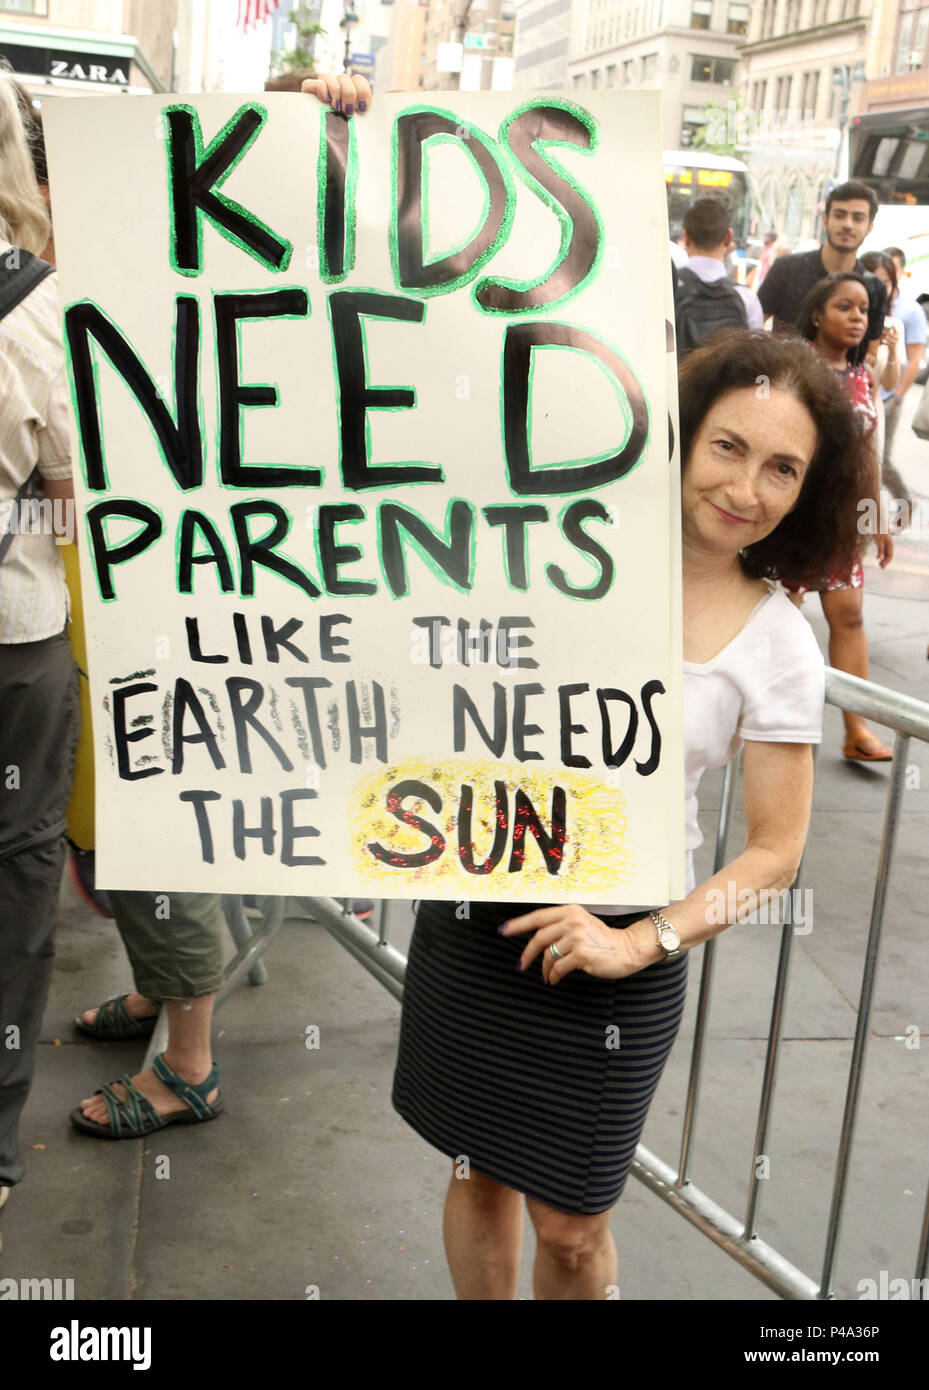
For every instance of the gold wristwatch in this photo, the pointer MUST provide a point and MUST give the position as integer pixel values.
(668, 939)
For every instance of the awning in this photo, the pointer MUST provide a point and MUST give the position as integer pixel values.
(86, 57)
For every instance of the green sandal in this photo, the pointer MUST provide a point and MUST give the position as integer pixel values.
(135, 1116)
(114, 1022)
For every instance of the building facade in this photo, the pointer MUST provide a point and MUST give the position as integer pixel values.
(486, 30)
(400, 62)
(687, 49)
(98, 47)
(898, 59)
(542, 45)
(803, 69)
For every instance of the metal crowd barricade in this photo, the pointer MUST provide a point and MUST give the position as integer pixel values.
(909, 719)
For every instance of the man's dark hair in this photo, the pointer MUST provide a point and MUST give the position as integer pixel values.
(706, 222)
(819, 296)
(820, 536)
(846, 192)
(288, 82)
(895, 251)
(881, 260)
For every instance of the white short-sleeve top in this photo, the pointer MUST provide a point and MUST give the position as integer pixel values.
(767, 685)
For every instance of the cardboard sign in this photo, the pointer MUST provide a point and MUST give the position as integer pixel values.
(380, 536)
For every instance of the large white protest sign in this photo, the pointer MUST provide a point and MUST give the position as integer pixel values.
(380, 536)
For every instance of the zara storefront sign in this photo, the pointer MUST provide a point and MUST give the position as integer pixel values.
(99, 68)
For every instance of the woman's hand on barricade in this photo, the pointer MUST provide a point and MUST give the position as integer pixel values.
(584, 941)
(885, 548)
(343, 93)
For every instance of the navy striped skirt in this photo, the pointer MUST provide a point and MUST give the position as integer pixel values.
(542, 1088)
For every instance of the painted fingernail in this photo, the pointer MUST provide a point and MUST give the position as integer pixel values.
(362, 106)
(502, 927)
(338, 105)
(349, 108)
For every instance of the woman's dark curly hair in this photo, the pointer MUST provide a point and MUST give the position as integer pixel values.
(820, 535)
(817, 299)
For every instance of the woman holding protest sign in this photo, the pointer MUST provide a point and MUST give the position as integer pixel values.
(532, 1042)
(545, 1091)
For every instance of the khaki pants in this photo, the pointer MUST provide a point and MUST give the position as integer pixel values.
(174, 942)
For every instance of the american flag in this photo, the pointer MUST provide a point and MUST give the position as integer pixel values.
(255, 12)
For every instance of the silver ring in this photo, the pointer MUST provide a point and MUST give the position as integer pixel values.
(554, 952)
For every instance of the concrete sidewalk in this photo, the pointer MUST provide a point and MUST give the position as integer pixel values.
(310, 1179)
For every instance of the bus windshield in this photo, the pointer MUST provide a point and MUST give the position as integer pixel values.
(686, 180)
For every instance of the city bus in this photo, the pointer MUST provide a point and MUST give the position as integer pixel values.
(889, 150)
(693, 174)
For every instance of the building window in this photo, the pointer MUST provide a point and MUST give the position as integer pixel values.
(914, 39)
(693, 118)
(737, 19)
(793, 213)
(611, 75)
(701, 13)
(578, 80)
(921, 41)
(810, 92)
(718, 70)
(595, 79)
(649, 66)
(24, 6)
(782, 93)
(628, 72)
(835, 94)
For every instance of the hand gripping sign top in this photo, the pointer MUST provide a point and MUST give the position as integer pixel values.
(380, 543)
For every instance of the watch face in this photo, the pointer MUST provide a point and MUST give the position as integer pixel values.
(669, 939)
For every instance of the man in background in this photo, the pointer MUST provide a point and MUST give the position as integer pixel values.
(911, 315)
(847, 220)
(707, 240)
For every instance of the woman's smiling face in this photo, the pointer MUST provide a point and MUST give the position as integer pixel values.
(745, 469)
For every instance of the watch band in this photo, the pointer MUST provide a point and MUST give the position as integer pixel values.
(664, 927)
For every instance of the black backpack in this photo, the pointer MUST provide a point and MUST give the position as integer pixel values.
(16, 281)
(702, 308)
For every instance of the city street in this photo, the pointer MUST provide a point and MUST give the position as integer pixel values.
(309, 1181)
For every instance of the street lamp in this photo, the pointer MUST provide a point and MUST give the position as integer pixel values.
(843, 77)
(346, 22)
